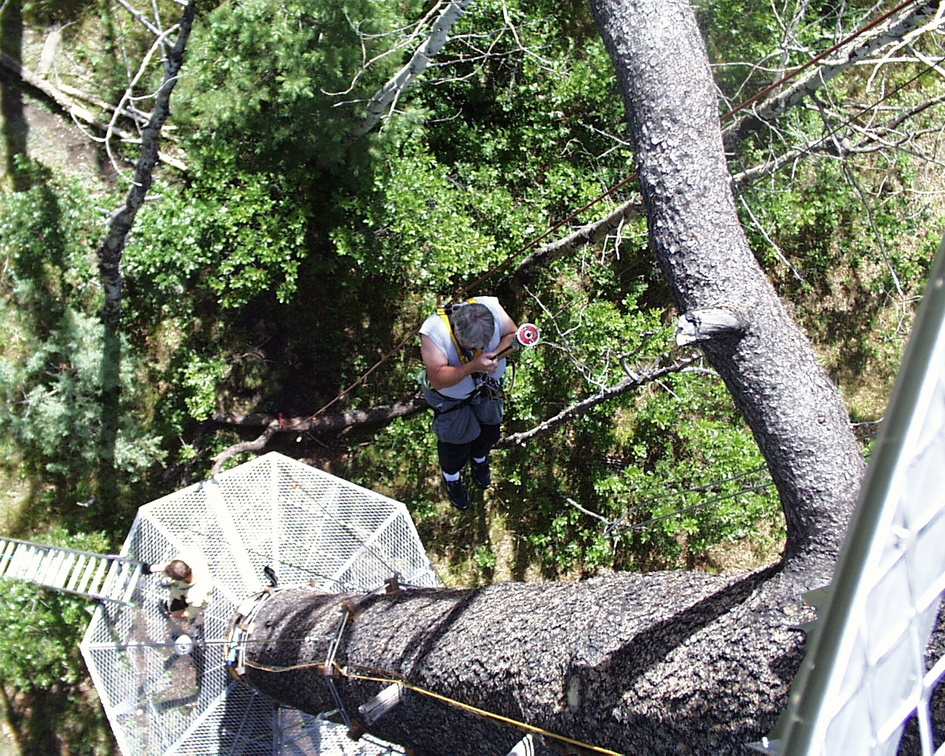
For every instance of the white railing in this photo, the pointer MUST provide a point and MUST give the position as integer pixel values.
(869, 675)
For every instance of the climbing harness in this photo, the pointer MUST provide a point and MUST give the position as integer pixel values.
(488, 388)
(465, 355)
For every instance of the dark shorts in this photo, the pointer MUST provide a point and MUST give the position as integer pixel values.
(177, 605)
(460, 421)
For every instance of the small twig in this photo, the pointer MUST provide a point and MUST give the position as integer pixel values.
(589, 513)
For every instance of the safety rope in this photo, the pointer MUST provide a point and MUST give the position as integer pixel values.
(616, 187)
(392, 680)
(479, 711)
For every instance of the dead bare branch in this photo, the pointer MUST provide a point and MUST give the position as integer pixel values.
(583, 407)
(66, 101)
(322, 425)
(895, 29)
(588, 512)
(121, 219)
(128, 95)
(386, 98)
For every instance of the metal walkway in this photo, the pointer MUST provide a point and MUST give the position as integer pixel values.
(104, 577)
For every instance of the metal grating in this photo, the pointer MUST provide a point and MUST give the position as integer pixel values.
(99, 576)
(168, 694)
(870, 670)
(301, 734)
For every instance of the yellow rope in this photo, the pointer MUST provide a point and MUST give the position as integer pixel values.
(445, 699)
(481, 712)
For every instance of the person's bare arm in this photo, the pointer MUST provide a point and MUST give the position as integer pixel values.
(509, 329)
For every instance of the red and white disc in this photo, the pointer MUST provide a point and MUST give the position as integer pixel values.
(528, 334)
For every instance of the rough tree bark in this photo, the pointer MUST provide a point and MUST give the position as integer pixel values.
(789, 402)
(658, 663)
(120, 220)
(633, 664)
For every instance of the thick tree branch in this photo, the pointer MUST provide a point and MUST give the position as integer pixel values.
(896, 27)
(382, 414)
(336, 423)
(697, 326)
(893, 30)
(794, 411)
(592, 233)
(369, 418)
(879, 137)
(605, 662)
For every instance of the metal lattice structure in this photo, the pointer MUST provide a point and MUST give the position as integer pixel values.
(103, 577)
(163, 682)
(870, 669)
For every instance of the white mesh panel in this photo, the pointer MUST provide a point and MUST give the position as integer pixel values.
(866, 675)
(274, 511)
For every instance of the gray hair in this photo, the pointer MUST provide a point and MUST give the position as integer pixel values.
(474, 325)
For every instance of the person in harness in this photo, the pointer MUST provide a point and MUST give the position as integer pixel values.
(462, 382)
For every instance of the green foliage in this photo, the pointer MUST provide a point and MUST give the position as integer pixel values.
(41, 668)
(202, 376)
(291, 257)
(670, 469)
(692, 476)
(46, 237)
(231, 245)
(419, 227)
(53, 400)
(51, 371)
(748, 41)
(398, 463)
(503, 148)
(265, 80)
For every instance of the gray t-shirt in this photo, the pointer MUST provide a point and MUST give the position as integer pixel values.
(439, 334)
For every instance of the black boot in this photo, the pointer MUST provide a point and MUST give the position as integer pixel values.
(458, 495)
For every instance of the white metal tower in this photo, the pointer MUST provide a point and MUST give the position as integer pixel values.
(164, 683)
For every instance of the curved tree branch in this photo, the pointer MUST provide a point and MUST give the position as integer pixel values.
(272, 426)
(586, 405)
(65, 98)
(382, 414)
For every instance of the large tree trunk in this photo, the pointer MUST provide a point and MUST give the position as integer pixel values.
(634, 664)
(788, 401)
